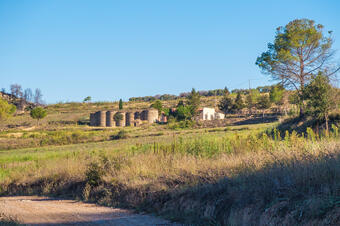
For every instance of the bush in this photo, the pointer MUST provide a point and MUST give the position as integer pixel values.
(122, 134)
(94, 174)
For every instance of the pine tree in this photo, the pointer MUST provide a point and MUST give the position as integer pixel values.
(120, 104)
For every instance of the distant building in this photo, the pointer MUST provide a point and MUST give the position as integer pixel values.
(210, 114)
(110, 119)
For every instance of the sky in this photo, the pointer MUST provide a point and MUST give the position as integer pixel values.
(109, 50)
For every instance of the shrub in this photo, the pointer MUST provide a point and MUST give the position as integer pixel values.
(38, 113)
(94, 174)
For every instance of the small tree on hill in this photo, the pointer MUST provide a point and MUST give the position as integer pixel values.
(226, 104)
(16, 90)
(184, 113)
(321, 98)
(6, 109)
(252, 98)
(263, 103)
(38, 113)
(226, 91)
(238, 104)
(157, 105)
(276, 95)
(120, 104)
(87, 99)
(38, 96)
(194, 102)
(28, 95)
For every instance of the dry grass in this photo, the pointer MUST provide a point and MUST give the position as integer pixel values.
(188, 177)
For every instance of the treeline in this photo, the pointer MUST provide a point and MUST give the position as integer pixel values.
(27, 94)
(204, 93)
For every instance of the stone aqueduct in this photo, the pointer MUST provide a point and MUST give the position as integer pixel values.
(108, 119)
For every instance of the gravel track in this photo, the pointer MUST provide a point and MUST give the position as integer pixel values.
(34, 210)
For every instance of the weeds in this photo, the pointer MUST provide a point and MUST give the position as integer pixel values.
(210, 178)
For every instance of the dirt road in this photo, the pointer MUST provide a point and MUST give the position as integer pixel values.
(33, 210)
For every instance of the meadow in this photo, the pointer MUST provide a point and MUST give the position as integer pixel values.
(228, 175)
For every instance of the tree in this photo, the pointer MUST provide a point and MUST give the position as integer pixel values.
(38, 113)
(252, 98)
(226, 91)
(263, 103)
(6, 109)
(87, 99)
(299, 51)
(226, 104)
(180, 103)
(194, 102)
(120, 104)
(38, 96)
(321, 98)
(28, 95)
(276, 95)
(157, 105)
(184, 113)
(239, 104)
(16, 90)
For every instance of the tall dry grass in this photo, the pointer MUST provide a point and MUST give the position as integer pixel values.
(205, 178)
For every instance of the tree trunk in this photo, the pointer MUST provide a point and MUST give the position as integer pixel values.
(327, 128)
(302, 86)
(301, 115)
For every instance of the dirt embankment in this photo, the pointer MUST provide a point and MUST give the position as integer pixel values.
(34, 210)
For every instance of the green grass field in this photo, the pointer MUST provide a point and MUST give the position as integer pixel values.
(207, 176)
(155, 167)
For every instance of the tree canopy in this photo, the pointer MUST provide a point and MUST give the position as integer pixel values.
(38, 113)
(226, 104)
(194, 102)
(157, 105)
(300, 50)
(276, 94)
(6, 109)
(120, 104)
(321, 98)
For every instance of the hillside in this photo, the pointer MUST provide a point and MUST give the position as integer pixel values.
(21, 104)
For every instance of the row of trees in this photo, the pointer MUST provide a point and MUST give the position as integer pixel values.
(26, 95)
(208, 93)
(253, 99)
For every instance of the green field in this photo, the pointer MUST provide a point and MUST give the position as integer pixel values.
(180, 174)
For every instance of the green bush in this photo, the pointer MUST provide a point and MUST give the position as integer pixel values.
(94, 174)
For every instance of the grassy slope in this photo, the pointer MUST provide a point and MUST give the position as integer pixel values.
(228, 175)
(194, 176)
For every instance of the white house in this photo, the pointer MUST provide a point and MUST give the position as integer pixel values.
(210, 114)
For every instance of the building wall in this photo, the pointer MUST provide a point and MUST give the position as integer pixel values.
(208, 113)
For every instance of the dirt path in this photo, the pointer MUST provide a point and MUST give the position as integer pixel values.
(33, 210)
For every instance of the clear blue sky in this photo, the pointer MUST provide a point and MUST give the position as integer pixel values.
(119, 49)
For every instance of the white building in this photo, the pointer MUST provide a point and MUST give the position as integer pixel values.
(210, 114)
